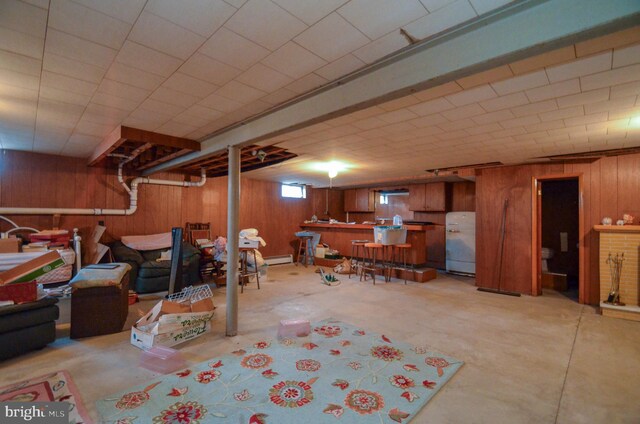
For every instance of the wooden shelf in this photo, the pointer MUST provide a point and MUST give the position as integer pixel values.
(617, 228)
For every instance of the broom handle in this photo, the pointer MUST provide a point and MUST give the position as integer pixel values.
(502, 239)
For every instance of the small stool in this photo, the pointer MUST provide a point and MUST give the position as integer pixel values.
(369, 264)
(304, 250)
(402, 251)
(244, 271)
(357, 255)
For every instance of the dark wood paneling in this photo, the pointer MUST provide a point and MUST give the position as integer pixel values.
(328, 203)
(463, 196)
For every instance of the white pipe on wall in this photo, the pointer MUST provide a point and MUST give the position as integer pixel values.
(133, 198)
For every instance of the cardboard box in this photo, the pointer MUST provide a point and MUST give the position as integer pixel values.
(19, 292)
(9, 245)
(30, 270)
(248, 243)
(170, 323)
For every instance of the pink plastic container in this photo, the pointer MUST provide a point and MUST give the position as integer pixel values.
(161, 359)
(293, 328)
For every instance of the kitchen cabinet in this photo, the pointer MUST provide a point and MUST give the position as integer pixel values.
(358, 200)
(430, 197)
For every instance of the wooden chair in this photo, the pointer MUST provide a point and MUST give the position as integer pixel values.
(195, 231)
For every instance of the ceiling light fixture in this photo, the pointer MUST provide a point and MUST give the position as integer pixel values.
(635, 122)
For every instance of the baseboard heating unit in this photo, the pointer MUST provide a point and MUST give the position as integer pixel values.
(279, 260)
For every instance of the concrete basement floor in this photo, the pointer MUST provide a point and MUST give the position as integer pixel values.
(527, 360)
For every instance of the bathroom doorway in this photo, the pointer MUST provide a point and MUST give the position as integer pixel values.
(558, 253)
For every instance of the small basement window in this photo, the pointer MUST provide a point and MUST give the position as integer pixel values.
(294, 191)
(384, 200)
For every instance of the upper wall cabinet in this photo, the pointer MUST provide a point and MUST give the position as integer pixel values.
(358, 200)
(431, 197)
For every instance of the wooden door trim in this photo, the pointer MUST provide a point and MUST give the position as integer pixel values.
(536, 222)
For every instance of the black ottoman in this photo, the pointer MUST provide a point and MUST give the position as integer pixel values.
(27, 326)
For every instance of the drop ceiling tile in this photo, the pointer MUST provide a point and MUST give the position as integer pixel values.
(550, 91)
(521, 83)
(461, 124)
(220, 103)
(52, 93)
(43, 4)
(397, 116)
(310, 11)
(344, 38)
(477, 94)
(94, 129)
(441, 19)
(72, 68)
(484, 6)
(66, 83)
(239, 92)
(146, 119)
(233, 49)
(587, 119)
(463, 112)
(544, 126)
(10, 92)
(164, 36)
(203, 112)
(504, 102)
(491, 75)
(194, 121)
(517, 122)
(626, 56)
(75, 19)
(264, 78)
(176, 129)
(306, 84)
(613, 77)
(105, 99)
(265, 23)
(119, 89)
(376, 18)
(18, 112)
(174, 97)
(189, 85)
(400, 103)
(279, 96)
(534, 108)
(431, 106)
(341, 67)
(45, 137)
(23, 17)
(132, 76)
(140, 57)
(438, 91)
(452, 135)
(126, 11)
(20, 63)
(483, 129)
(381, 47)
(584, 98)
(159, 107)
(203, 17)
(624, 90)
(208, 69)
(104, 115)
(488, 118)
(429, 120)
(551, 58)
(623, 113)
(293, 60)
(581, 67)
(75, 48)
(562, 113)
(18, 42)
(19, 80)
(57, 113)
(622, 103)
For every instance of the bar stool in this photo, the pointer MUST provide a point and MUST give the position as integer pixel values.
(402, 251)
(244, 271)
(358, 253)
(369, 264)
(304, 250)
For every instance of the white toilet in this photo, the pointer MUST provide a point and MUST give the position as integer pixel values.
(546, 253)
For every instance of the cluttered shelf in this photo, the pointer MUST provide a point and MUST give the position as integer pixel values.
(409, 227)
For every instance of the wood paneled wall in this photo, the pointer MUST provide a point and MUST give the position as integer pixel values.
(611, 187)
(36, 180)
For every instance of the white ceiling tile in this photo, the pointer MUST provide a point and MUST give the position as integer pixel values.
(109, 100)
(162, 108)
(203, 17)
(626, 56)
(581, 67)
(441, 19)
(504, 102)
(483, 129)
(562, 113)
(174, 97)
(208, 69)
(204, 112)
(18, 112)
(146, 59)
(315, 38)
(624, 90)
(381, 47)
(239, 92)
(587, 119)
(476, 94)
(429, 120)
(189, 119)
(21, 43)
(607, 78)
(463, 112)
(9, 92)
(233, 49)
(43, 4)
(45, 137)
(164, 36)
(293, 60)
(584, 98)
(265, 23)
(517, 122)
(521, 83)
(534, 108)
(310, 11)
(20, 63)
(92, 128)
(63, 82)
(264, 78)
(433, 5)
(75, 48)
(23, 17)
(550, 91)
(484, 6)
(65, 96)
(133, 76)
(376, 18)
(236, 3)
(146, 119)
(176, 129)
(279, 96)
(432, 106)
(220, 103)
(190, 85)
(119, 89)
(127, 11)
(622, 103)
(397, 116)
(341, 67)
(60, 114)
(488, 118)
(18, 79)
(462, 124)
(73, 68)
(306, 84)
(75, 19)
(103, 114)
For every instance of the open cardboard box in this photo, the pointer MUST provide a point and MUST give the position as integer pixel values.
(30, 270)
(9, 245)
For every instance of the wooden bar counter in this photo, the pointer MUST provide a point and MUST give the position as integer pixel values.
(339, 236)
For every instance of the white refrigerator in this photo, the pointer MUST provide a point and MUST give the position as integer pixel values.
(461, 242)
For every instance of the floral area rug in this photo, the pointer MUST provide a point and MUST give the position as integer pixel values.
(54, 387)
(339, 373)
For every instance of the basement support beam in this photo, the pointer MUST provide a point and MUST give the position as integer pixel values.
(233, 213)
(512, 33)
